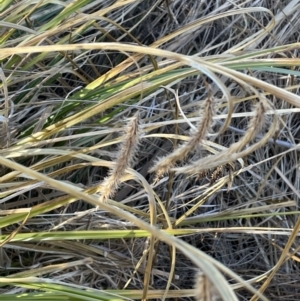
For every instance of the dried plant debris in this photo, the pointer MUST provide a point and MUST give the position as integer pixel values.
(164, 164)
(125, 158)
(205, 290)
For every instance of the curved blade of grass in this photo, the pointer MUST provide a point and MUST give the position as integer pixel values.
(201, 65)
(51, 286)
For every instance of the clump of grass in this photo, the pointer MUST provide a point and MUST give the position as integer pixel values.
(71, 71)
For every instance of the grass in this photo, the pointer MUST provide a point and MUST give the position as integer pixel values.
(149, 150)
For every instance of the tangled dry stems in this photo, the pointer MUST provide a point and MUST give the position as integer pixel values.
(249, 253)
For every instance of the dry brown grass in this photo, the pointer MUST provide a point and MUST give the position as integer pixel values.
(62, 114)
